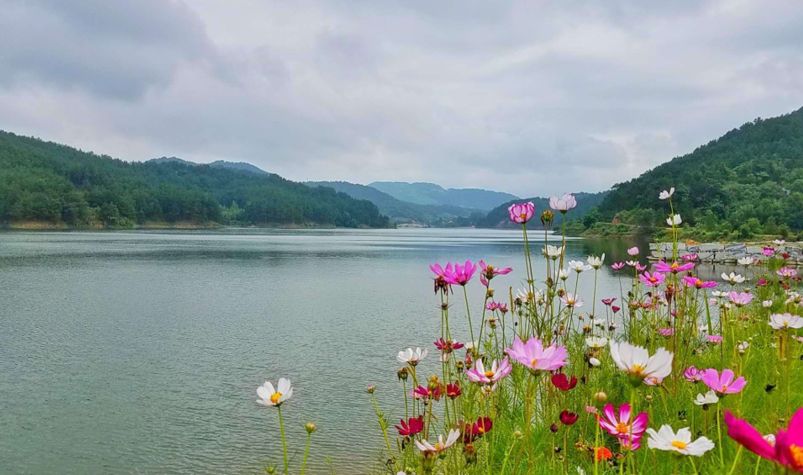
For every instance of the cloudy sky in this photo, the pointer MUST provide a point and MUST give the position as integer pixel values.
(527, 97)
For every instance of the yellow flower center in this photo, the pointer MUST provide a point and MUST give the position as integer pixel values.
(274, 398)
(637, 369)
(622, 428)
(489, 374)
(796, 452)
(523, 215)
(534, 362)
(438, 446)
(679, 444)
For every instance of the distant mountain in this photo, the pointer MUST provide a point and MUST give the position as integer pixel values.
(498, 217)
(402, 211)
(45, 182)
(749, 181)
(237, 166)
(432, 194)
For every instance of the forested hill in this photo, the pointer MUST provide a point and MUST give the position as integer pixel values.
(50, 183)
(749, 181)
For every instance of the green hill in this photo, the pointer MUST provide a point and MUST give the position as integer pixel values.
(402, 211)
(44, 182)
(432, 194)
(498, 217)
(747, 182)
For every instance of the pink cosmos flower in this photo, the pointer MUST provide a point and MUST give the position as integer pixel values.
(724, 383)
(492, 305)
(633, 251)
(666, 331)
(534, 356)
(426, 392)
(608, 301)
(768, 251)
(698, 283)
(740, 298)
(675, 267)
(787, 449)
(689, 257)
(489, 272)
(640, 267)
(652, 280)
(692, 374)
(564, 203)
(627, 431)
(618, 265)
(440, 271)
(461, 273)
(521, 212)
(714, 339)
(786, 272)
(498, 370)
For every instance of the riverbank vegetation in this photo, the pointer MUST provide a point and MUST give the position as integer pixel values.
(672, 374)
(59, 186)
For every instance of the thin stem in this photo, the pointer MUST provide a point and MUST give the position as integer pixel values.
(284, 440)
(306, 453)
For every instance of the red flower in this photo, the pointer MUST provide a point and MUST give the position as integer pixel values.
(568, 418)
(602, 453)
(562, 382)
(615, 308)
(426, 392)
(412, 426)
(608, 301)
(453, 390)
(477, 429)
(447, 346)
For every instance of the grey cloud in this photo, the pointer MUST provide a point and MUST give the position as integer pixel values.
(527, 97)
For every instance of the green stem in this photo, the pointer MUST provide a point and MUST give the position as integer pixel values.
(284, 440)
(306, 453)
(468, 315)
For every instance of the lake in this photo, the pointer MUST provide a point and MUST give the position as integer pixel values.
(140, 352)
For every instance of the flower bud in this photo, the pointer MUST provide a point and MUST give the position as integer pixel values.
(370, 389)
(310, 427)
(600, 397)
(402, 373)
(546, 217)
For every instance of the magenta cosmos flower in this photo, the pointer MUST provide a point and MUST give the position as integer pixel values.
(693, 374)
(698, 283)
(521, 212)
(534, 356)
(564, 203)
(675, 267)
(788, 447)
(652, 280)
(462, 273)
(627, 431)
(618, 265)
(740, 298)
(633, 251)
(723, 383)
(488, 272)
(498, 370)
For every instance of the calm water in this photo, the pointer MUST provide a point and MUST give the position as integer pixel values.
(140, 352)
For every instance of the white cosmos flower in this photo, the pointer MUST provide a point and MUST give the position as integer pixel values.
(553, 251)
(706, 400)
(637, 362)
(571, 301)
(742, 347)
(270, 396)
(411, 357)
(674, 220)
(665, 195)
(440, 445)
(779, 242)
(594, 362)
(563, 274)
(766, 303)
(666, 439)
(733, 278)
(794, 297)
(744, 261)
(596, 342)
(782, 321)
(578, 266)
(596, 261)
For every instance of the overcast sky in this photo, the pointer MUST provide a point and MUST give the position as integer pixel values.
(529, 97)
